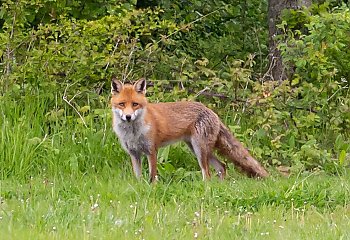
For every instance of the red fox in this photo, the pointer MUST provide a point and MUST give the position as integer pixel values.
(144, 127)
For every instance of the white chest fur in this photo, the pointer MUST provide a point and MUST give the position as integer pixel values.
(132, 135)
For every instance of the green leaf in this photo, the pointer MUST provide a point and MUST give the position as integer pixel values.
(295, 81)
(164, 154)
(85, 109)
(34, 141)
(260, 133)
(291, 142)
(339, 142)
(342, 156)
(169, 168)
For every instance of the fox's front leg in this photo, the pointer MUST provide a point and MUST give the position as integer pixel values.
(152, 164)
(136, 165)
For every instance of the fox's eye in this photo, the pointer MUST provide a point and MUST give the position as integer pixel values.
(122, 104)
(135, 104)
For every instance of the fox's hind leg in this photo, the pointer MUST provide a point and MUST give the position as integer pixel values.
(203, 138)
(201, 152)
(220, 167)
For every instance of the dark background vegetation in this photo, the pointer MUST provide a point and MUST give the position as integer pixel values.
(57, 59)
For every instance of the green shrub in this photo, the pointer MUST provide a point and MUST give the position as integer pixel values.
(308, 117)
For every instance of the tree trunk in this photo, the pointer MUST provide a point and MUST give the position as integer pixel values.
(277, 70)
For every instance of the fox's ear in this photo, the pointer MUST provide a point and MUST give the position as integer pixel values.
(117, 86)
(140, 86)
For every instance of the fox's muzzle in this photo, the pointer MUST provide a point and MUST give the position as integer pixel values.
(127, 117)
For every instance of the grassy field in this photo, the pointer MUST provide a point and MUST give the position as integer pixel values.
(111, 205)
(61, 180)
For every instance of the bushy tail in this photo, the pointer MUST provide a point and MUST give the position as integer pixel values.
(229, 147)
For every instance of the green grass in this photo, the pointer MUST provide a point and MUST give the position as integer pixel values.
(60, 180)
(115, 206)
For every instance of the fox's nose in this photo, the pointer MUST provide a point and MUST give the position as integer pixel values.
(128, 117)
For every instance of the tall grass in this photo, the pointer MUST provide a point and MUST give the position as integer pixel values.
(21, 134)
(33, 141)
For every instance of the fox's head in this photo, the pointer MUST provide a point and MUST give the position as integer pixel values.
(128, 100)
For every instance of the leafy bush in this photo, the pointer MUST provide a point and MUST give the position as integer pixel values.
(220, 31)
(321, 54)
(308, 117)
(80, 51)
